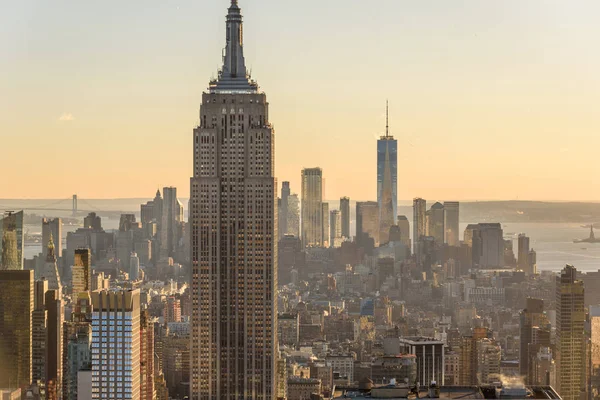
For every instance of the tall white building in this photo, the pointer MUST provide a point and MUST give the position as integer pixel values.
(116, 345)
(234, 235)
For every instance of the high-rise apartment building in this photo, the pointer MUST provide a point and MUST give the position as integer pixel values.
(570, 320)
(11, 241)
(283, 210)
(312, 207)
(367, 223)
(52, 227)
(82, 271)
(16, 306)
(345, 213)
(387, 181)
(451, 223)
(234, 235)
(419, 222)
(116, 345)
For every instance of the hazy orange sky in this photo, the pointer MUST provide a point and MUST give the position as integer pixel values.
(488, 100)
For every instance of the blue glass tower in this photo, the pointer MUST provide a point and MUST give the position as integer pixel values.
(387, 181)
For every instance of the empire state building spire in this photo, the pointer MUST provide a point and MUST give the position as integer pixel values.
(233, 76)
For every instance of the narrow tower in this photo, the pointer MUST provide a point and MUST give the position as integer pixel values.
(387, 180)
(234, 235)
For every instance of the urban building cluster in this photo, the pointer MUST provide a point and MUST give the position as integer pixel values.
(256, 296)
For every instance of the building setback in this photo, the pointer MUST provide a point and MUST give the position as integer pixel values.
(234, 235)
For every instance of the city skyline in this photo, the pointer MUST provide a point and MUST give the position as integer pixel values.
(517, 72)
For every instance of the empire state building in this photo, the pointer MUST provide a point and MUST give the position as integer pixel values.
(234, 235)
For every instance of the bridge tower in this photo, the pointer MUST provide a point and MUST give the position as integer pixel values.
(74, 205)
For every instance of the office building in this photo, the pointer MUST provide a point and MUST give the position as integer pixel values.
(435, 223)
(233, 223)
(312, 207)
(82, 271)
(488, 361)
(116, 345)
(345, 214)
(430, 358)
(527, 258)
(52, 227)
(451, 223)
(488, 245)
(93, 222)
(11, 241)
(288, 326)
(39, 325)
(325, 225)
(419, 222)
(570, 320)
(16, 307)
(283, 210)
(367, 224)
(54, 344)
(387, 181)
(50, 271)
(404, 228)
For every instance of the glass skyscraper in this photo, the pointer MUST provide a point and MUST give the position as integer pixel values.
(11, 241)
(387, 182)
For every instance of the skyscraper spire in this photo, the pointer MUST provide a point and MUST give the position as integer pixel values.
(233, 76)
(387, 119)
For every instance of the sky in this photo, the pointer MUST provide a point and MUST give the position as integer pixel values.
(488, 99)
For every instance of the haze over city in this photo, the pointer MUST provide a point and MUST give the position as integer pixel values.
(276, 200)
(488, 100)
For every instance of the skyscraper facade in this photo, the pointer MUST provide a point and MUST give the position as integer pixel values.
(50, 271)
(335, 228)
(387, 182)
(367, 223)
(116, 345)
(11, 241)
(172, 215)
(570, 320)
(404, 227)
(325, 225)
(82, 271)
(234, 235)
(293, 215)
(488, 245)
(312, 207)
(283, 211)
(16, 307)
(435, 221)
(345, 211)
(451, 223)
(419, 222)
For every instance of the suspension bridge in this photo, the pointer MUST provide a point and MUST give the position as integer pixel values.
(71, 204)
